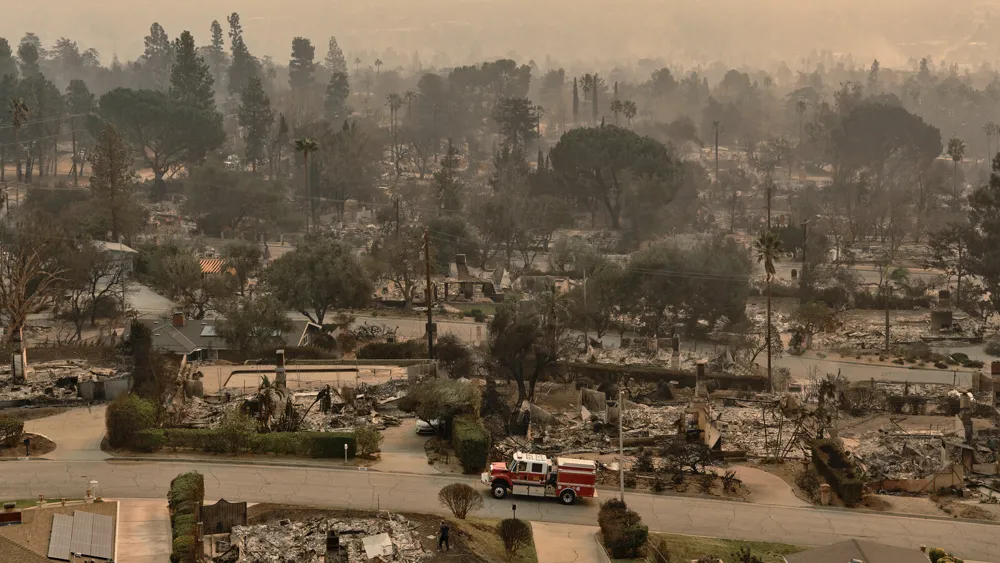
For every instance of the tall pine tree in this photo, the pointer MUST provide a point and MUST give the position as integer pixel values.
(576, 102)
(335, 61)
(244, 65)
(190, 79)
(8, 66)
(337, 92)
(256, 117)
(113, 181)
(301, 67)
(157, 56)
(593, 97)
(215, 53)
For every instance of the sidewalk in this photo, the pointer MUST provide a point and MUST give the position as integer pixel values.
(567, 543)
(143, 531)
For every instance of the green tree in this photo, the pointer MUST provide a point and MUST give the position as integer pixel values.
(157, 57)
(517, 120)
(337, 92)
(629, 110)
(335, 61)
(113, 181)
(595, 304)
(79, 102)
(28, 55)
(600, 164)
(307, 146)
(441, 399)
(447, 182)
(984, 239)
(190, 79)
(256, 117)
(254, 323)
(767, 247)
(949, 251)
(398, 259)
(215, 53)
(18, 110)
(319, 276)
(576, 102)
(8, 66)
(94, 283)
(246, 260)
(301, 67)
(224, 201)
(177, 273)
(956, 151)
(169, 134)
(527, 339)
(243, 65)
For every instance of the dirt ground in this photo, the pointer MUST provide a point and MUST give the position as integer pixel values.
(471, 540)
(852, 426)
(40, 445)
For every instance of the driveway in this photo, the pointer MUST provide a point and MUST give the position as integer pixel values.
(77, 433)
(765, 488)
(367, 490)
(567, 543)
(403, 450)
(144, 531)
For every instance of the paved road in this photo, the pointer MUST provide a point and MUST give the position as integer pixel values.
(415, 493)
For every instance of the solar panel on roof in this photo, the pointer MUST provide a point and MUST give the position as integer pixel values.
(62, 535)
(102, 540)
(83, 529)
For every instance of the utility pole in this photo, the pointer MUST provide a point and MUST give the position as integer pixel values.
(805, 262)
(395, 202)
(586, 336)
(430, 309)
(888, 297)
(621, 445)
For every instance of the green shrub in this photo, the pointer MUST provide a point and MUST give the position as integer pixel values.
(975, 364)
(959, 357)
(11, 430)
(305, 444)
(149, 440)
(368, 440)
(622, 529)
(183, 550)
(409, 350)
(127, 415)
(478, 315)
(832, 463)
(992, 347)
(237, 433)
(187, 493)
(471, 442)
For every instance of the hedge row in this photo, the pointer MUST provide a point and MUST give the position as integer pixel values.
(832, 463)
(187, 492)
(212, 440)
(126, 416)
(622, 529)
(471, 442)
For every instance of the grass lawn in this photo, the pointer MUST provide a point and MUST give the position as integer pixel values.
(480, 537)
(687, 548)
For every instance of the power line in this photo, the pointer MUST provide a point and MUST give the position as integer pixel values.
(47, 120)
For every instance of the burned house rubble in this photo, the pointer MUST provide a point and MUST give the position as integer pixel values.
(62, 381)
(388, 538)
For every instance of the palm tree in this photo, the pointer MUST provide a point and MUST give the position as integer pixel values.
(767, 247)
(394, 102)
(378, 66)
(409, 96)
(357, 65)
(586, 83)
(616, 108)
(539, 114)
(306, 146)
(629, 109)
(990, 128)
(18, 109)
(956, 150)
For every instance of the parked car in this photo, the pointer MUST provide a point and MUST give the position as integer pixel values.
(425, 427)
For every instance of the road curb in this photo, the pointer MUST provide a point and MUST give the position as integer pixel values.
(905, 515)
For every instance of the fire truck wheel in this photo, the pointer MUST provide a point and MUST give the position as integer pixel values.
(567, 497)
(499, 490)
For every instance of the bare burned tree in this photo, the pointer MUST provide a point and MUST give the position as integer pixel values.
(31, 274)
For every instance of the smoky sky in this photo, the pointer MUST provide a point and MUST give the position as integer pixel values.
(448, 32)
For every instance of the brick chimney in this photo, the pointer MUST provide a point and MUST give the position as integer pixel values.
(178, 319)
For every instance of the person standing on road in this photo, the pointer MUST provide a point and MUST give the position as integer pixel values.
(443, 537)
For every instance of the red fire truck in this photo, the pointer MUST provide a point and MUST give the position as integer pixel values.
(536, 476)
